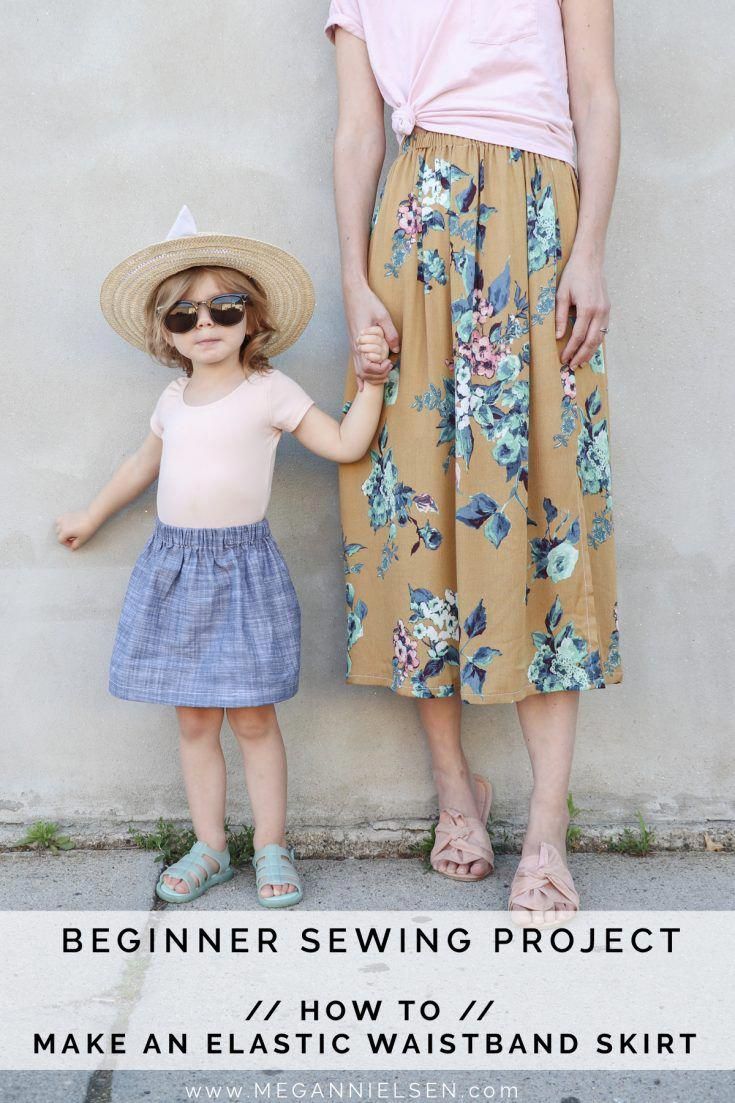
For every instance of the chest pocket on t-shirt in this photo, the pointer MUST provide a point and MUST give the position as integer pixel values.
(496, 22)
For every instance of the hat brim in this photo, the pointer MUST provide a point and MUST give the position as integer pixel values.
(286, 283)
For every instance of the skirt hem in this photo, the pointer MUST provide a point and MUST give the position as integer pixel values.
(268, 699)
(507, 698)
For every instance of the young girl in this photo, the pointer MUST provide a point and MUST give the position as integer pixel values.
(211, 619)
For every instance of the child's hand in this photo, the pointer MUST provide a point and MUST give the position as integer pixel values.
(372, 344)
(75, 529)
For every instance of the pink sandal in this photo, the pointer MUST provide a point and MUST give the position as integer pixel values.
(464, 839)
(540, 884)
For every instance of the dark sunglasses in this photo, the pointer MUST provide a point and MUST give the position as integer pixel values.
(224, 310)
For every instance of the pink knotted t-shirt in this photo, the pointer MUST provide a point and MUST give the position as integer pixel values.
(217, 460)
(494, 70)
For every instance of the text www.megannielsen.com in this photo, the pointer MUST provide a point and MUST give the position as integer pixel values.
(351, 1090)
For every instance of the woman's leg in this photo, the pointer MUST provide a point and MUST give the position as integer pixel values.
(441, 719)
(549, 723)
(203, 767)
(264, 759)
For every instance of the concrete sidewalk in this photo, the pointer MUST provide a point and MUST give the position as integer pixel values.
(125, 879)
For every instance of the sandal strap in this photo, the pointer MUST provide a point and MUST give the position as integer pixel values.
(182, 873)
(193, 869)
(540, 884)
(274, 865)
(461, 839)
(222, 857)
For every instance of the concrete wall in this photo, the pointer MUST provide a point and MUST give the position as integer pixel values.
(115, 114)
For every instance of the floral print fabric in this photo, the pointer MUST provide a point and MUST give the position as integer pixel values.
(478, 530)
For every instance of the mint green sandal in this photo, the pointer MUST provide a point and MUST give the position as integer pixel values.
(273, 865)
(195, 871)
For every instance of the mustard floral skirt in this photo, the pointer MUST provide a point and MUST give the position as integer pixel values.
(478, 531)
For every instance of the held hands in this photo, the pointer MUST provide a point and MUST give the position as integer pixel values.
(373, 349)
(75, 529)
(363, 310)
(348, 440)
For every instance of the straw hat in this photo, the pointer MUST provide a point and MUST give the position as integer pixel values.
(286, 283)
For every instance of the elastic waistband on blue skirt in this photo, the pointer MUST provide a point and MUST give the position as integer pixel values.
(216, 539)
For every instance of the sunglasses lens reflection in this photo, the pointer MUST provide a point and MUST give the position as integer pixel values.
(227, 310)
(224, 310)
(181, 318)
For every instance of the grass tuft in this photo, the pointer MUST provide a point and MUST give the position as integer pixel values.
(574, 832)
(423, 848)
(502, 843)
(44, 835)
(637, 843)
(171, 842)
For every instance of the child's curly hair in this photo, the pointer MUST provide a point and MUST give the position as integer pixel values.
(259, 325)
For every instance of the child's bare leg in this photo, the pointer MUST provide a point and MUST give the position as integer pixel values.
(264, 758)
(203, 767)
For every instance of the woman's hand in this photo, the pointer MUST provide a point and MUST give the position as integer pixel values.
(582, 287)
(75, 529)
(365, 311)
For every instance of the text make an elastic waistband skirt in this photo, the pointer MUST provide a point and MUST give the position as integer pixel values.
(210, 619)
(479, 553)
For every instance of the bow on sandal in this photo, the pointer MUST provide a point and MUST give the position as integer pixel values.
(539, 886)
(464, 839)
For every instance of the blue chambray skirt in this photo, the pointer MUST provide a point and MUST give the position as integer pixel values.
(210, 619)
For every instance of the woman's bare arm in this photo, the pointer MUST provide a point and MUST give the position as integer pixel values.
(593, 97)
(359, 151)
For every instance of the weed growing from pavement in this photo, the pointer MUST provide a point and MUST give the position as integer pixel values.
(43, 835)
(637, 843)
(423, 848)
(574, 832)
(172, 842)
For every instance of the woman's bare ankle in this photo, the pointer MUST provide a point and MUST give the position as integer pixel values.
(548, 820)
(455, 790)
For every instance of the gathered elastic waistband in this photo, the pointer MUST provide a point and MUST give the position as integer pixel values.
(437, 139)
(429, 139)
(421, 137)
(230, 536)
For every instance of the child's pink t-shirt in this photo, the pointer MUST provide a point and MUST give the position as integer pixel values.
(494, 70)
(217, 460)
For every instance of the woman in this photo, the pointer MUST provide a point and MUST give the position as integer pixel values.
(478, 532)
